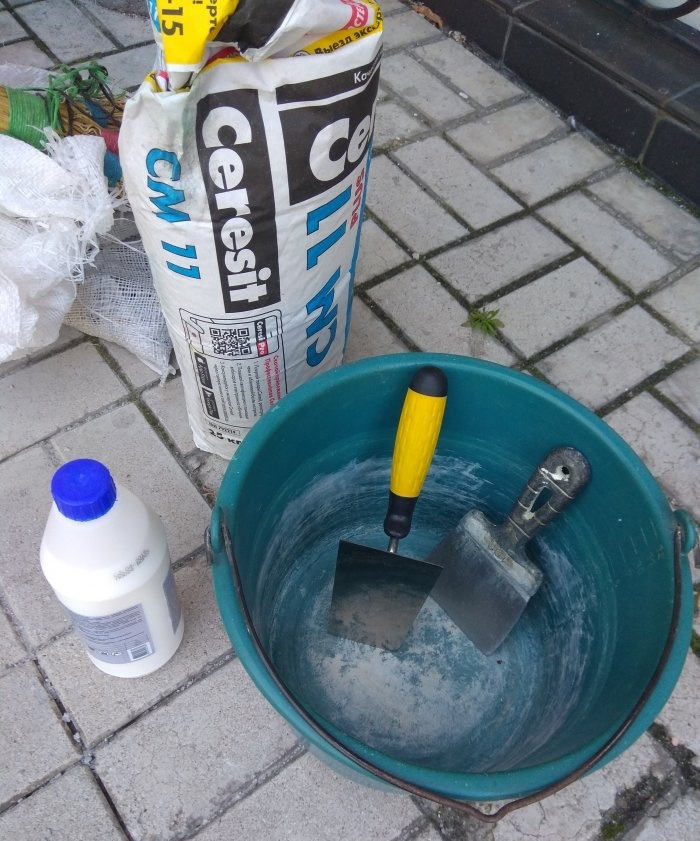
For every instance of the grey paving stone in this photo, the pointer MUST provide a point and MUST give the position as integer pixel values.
(10, 29)
(680, 715)
(553, 306)
(680, 303)
(408, 211)
(506, 131)
(137, 372)
(35, 743)
(407, 28)
(309, 802)
(404, 298)
(468, 73)
(139, 460)
(25, 53)
(69, 808)
(576, 813)
(474, 196)
(168, 404)
(485, 264)
(210, 470)
(683, 387)
(543, 172)
(186, 761)
(11, 650)
(129, 68)
(369, 336)
(378, 253)
(98, 703)
(38, 400)
(422, 89)
(394, 123)
(626, 255)
(125, 28)
(64, 29)
(66, 335)
(669, 448)
(658, 216)
(26, 478)
(612, 358)
(679, 823)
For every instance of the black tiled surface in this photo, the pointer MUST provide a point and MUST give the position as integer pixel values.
(626, 46)
(608, 109)
(481, 21)
(634, 83)
(674, 155)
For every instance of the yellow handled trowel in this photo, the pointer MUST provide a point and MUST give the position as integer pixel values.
(377, 594)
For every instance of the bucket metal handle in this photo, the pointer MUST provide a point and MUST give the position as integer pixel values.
(681, 538)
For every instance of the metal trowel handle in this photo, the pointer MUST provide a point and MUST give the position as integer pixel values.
(414, 447)
(554, 484)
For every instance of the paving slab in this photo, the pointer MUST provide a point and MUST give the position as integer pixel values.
(36, 409)
(394, 123)
(665, 444)
(677, 824)
(655, 214)
(68, 808)
(626, 255)
(446, 330)
(409, 211)
(612, 358)
(423, 90)
(181, 765)
(64, 29)
(378, 253)
(578, 812)
(679, 302)
(469, 74)
(467, 191)
(167, 403)
(506, 131)
(555, 305)
(36, 745)
(369, 336)
(682, 388)
(680, 715)
(541, 173)
(11, 649)
(307, 802)
(487, 263)
(100, 704)
(402, 29)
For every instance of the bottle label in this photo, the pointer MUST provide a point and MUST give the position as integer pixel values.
(172, 599)
(121, 637)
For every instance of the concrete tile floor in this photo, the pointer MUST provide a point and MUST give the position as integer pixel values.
(481, 196)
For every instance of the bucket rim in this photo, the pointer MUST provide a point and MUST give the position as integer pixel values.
(468, 785)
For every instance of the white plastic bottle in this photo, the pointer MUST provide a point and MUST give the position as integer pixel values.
(105, 555)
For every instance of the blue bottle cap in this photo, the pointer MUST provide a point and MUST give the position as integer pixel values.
(83, 489)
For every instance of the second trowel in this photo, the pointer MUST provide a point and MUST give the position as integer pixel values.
(488, 579)
(377, 594)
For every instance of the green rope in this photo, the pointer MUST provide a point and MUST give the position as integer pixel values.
(28, 116)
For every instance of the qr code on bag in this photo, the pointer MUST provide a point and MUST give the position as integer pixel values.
(233, 342)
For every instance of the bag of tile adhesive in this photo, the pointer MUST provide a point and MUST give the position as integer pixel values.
(245, 158)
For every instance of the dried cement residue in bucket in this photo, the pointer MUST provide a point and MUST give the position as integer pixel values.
(437, 701)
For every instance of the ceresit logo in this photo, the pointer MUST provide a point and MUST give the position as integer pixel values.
(326, 130)
(236, 173)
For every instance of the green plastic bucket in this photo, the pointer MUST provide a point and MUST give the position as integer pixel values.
(589, 665)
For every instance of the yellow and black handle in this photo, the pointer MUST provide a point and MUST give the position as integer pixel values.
(416, 439)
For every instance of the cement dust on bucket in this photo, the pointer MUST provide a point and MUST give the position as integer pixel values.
(438, 700)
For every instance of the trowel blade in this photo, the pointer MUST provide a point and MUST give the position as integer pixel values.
(484, 595)
(377, 594)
